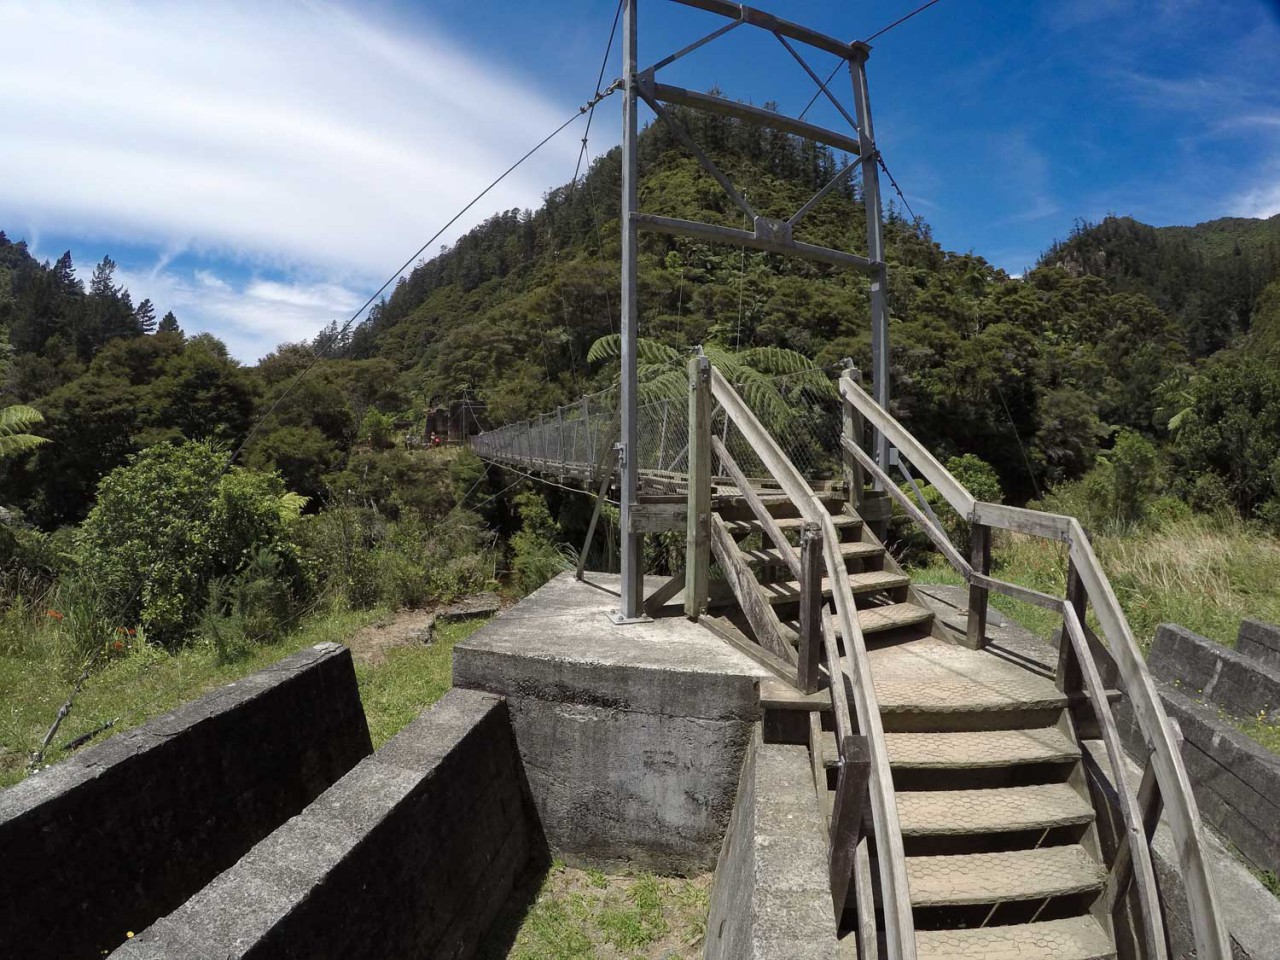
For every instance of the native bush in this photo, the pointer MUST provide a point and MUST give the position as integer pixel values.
(172, 520)
(535, 556)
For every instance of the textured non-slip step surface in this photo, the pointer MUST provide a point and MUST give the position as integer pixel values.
(976, 750)
(975, 878)
(932, 676)
(1075, 938)
(873, 620)
(982, 749)
(853, 550)
(932, 813)
(873, 581)
(744, 527)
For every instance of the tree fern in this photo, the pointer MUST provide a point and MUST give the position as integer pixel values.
(14, 422)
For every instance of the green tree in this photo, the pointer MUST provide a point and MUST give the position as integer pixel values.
(170, 522)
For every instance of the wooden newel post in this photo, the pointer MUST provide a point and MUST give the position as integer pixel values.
(810, 607)
(697, 564)
(853, 428)
(980, 560)
(1069, 677)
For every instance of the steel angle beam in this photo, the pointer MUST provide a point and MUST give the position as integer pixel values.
(724, 107)
(767, 21)
(765, 238)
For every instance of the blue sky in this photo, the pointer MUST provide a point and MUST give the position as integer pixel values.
(260, 168)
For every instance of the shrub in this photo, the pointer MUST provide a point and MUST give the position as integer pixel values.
(535, 556)
(171, 521)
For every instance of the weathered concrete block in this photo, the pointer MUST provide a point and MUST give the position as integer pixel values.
(772, 897)
(1260, 641)
(411, 854)
(124, 832)
(632, 736)
(1200, 668)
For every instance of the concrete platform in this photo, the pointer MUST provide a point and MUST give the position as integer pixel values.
(632, 736)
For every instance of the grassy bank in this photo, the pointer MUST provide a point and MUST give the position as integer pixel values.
(584, 914)
(1204, 573)
(145, 681)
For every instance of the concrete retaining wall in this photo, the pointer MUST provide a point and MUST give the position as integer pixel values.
(122, 833)
(772, 897)
(1261, 642)
(1235, 780)
(1200, 668)
(632, 736)
(411, 854)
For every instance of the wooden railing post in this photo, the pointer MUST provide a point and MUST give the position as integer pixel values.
(853, 427)
(847, 815)
(1069, 678)
(980, 561)
(698, 539)
(810, 606)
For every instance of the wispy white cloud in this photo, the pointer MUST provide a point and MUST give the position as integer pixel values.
(251, 317)
(298, 137)
(1260, 201)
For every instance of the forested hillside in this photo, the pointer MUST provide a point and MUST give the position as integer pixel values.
(1131, 378)
(1163, 333)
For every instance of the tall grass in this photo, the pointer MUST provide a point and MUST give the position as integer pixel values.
(1205, 573)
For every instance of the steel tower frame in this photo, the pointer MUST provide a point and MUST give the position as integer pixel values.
(767, 234)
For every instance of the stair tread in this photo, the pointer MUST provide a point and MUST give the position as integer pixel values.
(971, 750)
(891, 616)
(978, 749)
(976, 878)
(932, 813)
(930, 675)
(850, 550)
(788, 591)
(1074, 938)
(789, 523)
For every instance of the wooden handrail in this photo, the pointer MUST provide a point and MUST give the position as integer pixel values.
(1211, 937)
(900, 940)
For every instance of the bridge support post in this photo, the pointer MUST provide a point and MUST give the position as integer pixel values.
(869, 158)
(632, 607)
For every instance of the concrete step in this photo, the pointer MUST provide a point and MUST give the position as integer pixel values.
(872, 581)
(791, 524)
(940, 813)
(977, 750)
(981, 878)
(853, 550)
(1075, 938)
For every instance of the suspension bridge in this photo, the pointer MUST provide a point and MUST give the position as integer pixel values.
(962, 788)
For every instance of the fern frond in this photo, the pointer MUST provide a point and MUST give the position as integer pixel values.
(17, 443)
(609, 347)
(18, 419)
(672, 385)
(777, 360)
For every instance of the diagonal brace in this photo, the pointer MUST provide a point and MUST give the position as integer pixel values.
(713, 35)
(818, 80)
(817, 197)
(683, 136)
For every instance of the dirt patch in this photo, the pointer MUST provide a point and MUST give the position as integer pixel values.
(370, 644)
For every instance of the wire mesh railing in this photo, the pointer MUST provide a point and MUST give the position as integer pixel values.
(576, 440)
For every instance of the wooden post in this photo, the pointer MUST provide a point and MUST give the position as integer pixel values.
(697, 565)
(810, 606)
(853, 428)
(1068, 677)
(846, 816)
(980, 560)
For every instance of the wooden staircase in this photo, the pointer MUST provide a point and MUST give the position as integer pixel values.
(1003, 858)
